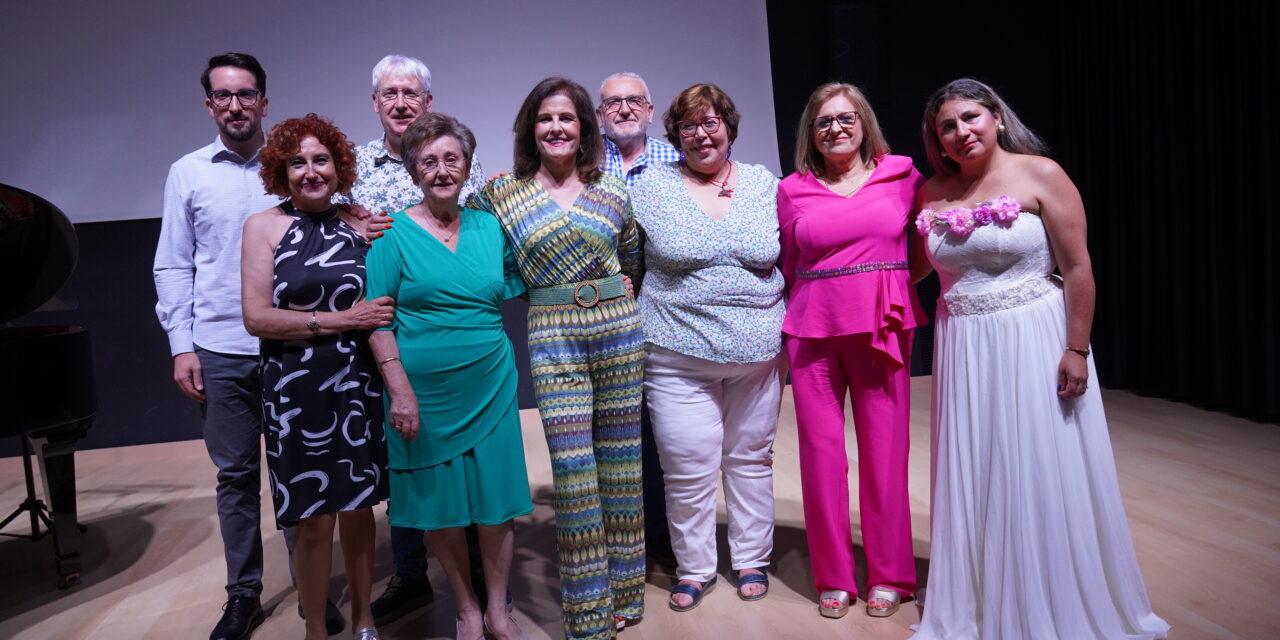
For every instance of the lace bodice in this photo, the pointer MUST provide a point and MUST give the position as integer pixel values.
(997, 266)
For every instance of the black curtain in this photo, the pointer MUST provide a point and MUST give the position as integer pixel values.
(1159, 113)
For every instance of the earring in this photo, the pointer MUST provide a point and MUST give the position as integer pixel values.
(1000, 128)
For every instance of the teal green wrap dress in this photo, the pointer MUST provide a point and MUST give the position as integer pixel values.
(466, 465)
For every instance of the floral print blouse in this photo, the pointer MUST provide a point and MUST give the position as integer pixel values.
(712, 288)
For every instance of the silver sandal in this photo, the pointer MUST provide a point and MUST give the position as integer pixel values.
(842, 603)
(891, 597)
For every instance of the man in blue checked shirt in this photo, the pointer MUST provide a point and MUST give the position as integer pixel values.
(626, 111)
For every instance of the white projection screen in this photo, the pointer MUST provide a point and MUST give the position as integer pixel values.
(101, 97)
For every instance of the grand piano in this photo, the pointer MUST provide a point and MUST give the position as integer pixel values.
(46, 372)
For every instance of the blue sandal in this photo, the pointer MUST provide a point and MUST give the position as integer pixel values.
(753, 578)
(693, 591)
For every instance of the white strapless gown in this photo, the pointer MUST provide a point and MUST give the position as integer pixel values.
(1030, 539)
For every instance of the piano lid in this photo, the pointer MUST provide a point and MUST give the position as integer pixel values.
(38, 251)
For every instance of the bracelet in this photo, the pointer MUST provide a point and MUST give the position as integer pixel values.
(1084, 353)
(382, 362)
(314, 324)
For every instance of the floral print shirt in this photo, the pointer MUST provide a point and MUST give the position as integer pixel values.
(383, 184)
(712, 288)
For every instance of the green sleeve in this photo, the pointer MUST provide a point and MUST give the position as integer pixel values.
(510, 270)
(383, 269)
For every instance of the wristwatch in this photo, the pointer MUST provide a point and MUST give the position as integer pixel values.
(314, 325)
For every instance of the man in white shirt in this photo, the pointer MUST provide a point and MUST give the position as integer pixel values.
(207, 197)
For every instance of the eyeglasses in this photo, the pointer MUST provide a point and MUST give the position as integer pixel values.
(615, 103)
(389, 96)
(689, 128)
(430, 164)
(846, 120)
(222, 97)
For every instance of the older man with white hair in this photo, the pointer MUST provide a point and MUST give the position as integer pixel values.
(626, 111)
(401, 93)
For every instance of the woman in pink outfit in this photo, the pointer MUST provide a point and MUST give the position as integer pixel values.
(843, 217)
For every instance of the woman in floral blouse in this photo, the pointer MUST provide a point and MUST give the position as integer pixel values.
(712, 307)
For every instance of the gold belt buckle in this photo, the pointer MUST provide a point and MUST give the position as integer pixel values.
(577, 294)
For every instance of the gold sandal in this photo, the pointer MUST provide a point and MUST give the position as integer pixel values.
(891, 598)
(842, 603)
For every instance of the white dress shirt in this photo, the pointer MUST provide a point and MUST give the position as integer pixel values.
(207, 197)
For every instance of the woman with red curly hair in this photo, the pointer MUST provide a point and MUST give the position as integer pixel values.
(303, 292)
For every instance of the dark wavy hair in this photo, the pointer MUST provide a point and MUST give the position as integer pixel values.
(696, 100)
(1016, 137)
(286, 139)
(590, 142)
(233, 59)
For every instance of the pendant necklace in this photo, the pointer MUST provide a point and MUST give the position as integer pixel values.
(725, 191)
(440, 230)
(862, 183)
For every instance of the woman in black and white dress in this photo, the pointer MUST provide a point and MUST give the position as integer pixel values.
(303, 289)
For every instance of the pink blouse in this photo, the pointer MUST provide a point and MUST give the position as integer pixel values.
(845, 259)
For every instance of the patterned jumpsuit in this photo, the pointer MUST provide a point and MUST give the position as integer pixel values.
(587, 366)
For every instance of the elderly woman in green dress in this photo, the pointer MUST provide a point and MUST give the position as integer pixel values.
(456, 456)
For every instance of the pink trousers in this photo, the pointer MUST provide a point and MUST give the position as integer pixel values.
(823, 371)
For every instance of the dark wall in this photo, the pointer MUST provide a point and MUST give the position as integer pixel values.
(1162, 116)
(113, 295)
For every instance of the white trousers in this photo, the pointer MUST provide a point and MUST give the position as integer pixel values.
(711, 418)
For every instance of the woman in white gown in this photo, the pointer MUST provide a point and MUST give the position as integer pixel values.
(1029, 534)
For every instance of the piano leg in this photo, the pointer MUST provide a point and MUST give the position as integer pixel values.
(58, 467)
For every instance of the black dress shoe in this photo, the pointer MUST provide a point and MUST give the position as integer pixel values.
(333, 620)
(404, 593)
(240, 616)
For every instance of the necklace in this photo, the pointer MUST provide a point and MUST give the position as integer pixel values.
(832, 185)
(442, 231)
(725, 191)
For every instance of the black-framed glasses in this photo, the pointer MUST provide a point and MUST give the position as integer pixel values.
(614, 103)
(246, 97)
(845, 120)
(389, 96)
(689, 128)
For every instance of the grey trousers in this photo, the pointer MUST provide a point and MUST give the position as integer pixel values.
(233, 436)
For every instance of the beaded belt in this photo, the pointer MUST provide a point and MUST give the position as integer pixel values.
(586, 294)
(1027, 291)
(814, 274)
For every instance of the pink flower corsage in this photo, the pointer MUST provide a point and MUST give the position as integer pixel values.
(963, 220)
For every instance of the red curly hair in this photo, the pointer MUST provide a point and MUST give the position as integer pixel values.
(285, 140)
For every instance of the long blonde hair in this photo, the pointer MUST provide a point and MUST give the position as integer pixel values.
(808, 158)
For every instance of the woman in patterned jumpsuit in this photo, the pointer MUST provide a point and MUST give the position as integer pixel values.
(574, 237)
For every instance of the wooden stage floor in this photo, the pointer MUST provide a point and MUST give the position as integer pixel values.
(1202, 492)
